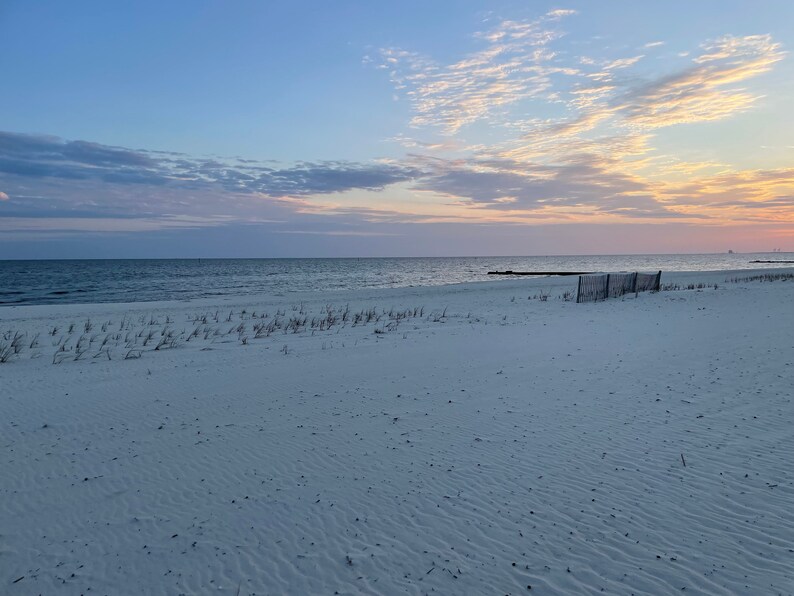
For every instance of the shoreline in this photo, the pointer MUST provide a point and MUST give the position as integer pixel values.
(88, 282)
(552, 283)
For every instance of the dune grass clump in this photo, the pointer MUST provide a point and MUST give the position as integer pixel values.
(60, 354)
(265, 329)
(698, 286)
(167, 340)
(133, 334)
(762, 277)
(438, 316)
(11, 345)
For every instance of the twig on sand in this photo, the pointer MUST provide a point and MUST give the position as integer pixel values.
(683, 461)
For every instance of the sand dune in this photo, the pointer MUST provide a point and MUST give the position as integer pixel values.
(495, 442)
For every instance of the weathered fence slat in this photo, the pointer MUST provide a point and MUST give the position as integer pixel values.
(613, 285)
(592, 288)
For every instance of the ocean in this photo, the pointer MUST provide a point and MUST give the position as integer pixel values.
(90, 281)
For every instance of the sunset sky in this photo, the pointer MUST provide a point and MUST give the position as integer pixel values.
(270, 129)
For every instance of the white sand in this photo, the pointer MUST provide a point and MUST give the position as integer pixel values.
(510, 443)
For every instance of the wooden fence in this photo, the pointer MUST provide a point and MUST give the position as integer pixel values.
(613, 285)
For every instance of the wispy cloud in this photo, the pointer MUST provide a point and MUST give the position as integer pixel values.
(707, 90)
(513, 65)
(517, 64)
(560, 13)
(623, 62)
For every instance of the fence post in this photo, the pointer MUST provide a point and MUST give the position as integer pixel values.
(606, 293)
(659, 281)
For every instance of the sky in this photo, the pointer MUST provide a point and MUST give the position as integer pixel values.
(360, 128)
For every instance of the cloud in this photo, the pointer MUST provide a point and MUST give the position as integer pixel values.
(735, 196)
(710, 89)
(583, 185)
(48, 156)
(331, 177)
(412, 143)
(744, 186)
(611, 124)
(35, 156)
(89, 186)
(513, 65)
(54, 149)
(705, 91)
(107, 225)
(623, 62)
(597, 160)
(568, 128)
(594, 159)
(559, 13)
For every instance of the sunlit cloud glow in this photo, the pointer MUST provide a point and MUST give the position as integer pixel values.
(513, 65)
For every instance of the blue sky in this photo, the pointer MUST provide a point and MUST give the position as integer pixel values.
(377, 128)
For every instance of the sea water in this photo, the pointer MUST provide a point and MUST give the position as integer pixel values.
(89, 281)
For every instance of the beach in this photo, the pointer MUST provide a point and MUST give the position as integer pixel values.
(476, 438)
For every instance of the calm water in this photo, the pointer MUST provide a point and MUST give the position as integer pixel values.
(88, 281)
